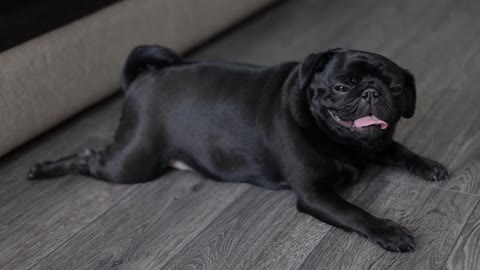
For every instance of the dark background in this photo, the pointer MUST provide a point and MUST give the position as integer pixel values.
(22, 20)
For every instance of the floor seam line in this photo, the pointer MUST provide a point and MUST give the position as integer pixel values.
(208, 224)
(82, 228)
(459, 234)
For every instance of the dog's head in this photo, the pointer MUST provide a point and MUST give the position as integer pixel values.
(357, 96)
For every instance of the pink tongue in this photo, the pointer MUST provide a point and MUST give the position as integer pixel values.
(370, 120)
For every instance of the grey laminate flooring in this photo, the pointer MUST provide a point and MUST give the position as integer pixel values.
(184, 221)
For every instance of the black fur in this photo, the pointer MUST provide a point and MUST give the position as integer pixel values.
(296, 125)
(146, 58)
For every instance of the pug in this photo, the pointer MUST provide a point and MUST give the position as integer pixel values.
(305, 126)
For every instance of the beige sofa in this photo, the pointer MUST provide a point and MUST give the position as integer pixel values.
(54, 76)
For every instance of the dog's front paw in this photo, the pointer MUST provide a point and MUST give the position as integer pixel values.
(429, 169)
(391, 236)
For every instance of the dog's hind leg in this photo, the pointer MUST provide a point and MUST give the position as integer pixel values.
(122, 163)
(113, 165)
(136, 155)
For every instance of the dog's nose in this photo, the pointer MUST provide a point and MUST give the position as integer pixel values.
(370, 94)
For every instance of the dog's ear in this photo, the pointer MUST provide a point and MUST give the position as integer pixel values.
(312, 64)
(408, 97)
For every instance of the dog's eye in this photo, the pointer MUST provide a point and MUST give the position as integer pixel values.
(396, 89)
(341, 88)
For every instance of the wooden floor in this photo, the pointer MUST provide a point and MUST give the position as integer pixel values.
(184, 221)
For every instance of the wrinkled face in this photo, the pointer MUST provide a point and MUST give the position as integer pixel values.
(358, 96)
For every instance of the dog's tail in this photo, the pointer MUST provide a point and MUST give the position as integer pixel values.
(146, 58)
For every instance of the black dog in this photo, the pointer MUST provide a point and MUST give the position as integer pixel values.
(305, 126)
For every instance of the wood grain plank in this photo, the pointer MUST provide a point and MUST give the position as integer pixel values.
(235, 239)
(424, 38)
(294, 242)
(435, 217)
(466, 254)
(171, 222)
(294, 29)
(449, 132)
(439, 59)
(262, 230)
(37, 217)
(446, 126)
(37, 224)
(148, 226)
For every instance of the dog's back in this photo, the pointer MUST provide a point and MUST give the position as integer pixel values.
(208, 114)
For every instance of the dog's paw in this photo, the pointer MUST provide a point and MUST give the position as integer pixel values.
(39, 170)
(429, 169)
(392, 237)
